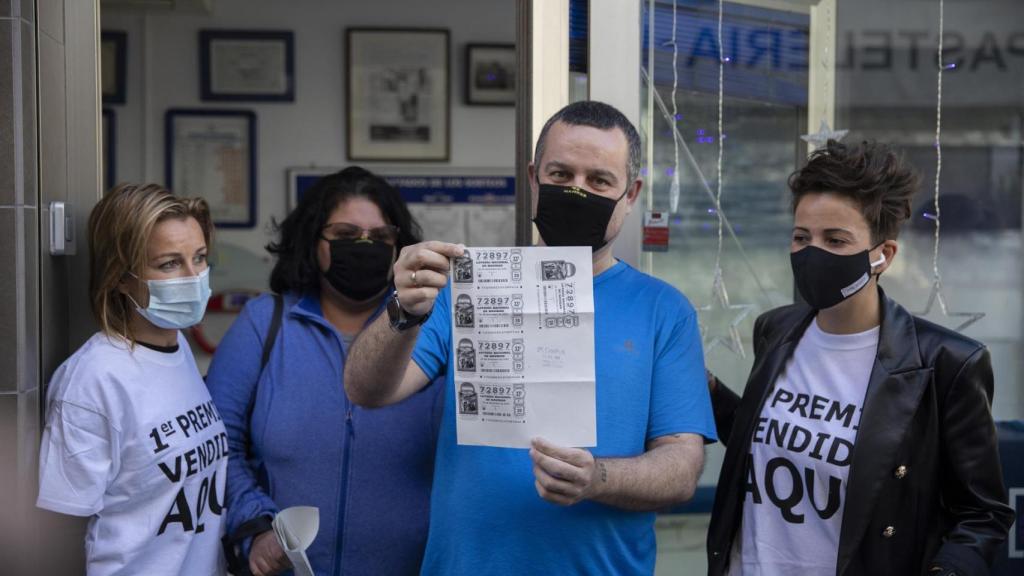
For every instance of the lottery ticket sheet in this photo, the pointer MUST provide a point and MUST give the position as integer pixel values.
(523, 346)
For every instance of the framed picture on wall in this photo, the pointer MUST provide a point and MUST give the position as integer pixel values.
(113, 64)
(212, 153)
(109, 149)
(491, 74)
(247, 65)
(398, 94)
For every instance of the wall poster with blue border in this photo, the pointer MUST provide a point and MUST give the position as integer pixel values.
(471, 206)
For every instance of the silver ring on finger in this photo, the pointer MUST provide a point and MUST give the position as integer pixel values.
(414, 282)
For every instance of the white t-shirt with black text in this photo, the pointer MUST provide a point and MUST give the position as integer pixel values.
(800, 456)
(133, 441)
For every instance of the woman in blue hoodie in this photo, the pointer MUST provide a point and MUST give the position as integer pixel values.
(295, 438)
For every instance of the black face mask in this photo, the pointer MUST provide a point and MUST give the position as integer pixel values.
(360, 269)
(825, 279)
(571, 216)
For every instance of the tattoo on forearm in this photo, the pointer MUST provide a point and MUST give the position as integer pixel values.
(604, 471)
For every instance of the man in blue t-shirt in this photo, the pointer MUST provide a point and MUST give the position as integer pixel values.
(556, 509)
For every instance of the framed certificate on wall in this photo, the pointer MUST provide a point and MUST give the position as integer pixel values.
(244, 65)
(212, 153)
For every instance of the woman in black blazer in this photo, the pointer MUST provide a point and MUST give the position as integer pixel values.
(864, 442)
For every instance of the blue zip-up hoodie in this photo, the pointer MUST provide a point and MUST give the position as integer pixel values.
(296, 440)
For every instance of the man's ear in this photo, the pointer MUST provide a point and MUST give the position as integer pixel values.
(633, 194)
(531, 173)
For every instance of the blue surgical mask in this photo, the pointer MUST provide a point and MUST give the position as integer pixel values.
(177, 303)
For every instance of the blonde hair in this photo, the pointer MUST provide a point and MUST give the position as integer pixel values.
(119, 229)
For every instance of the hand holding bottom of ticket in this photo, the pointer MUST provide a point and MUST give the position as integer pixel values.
(421, 271)
(562, 475)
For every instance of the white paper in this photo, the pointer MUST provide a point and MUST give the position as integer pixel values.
(490, 224)
(246, 66)
(211, 159)
(444, 222)
(523, 346)
(296, 528)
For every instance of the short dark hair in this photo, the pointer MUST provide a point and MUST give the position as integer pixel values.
(875, 176)
(297, 269)
(596, 115)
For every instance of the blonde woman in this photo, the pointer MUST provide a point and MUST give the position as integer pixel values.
(132, 439)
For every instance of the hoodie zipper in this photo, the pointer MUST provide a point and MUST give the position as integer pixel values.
(343, 500)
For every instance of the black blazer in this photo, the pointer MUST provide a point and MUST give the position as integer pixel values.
(925, 485)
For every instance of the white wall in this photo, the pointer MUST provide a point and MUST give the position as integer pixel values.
(163, 72)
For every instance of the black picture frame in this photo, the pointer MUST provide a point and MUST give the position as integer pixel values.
(240, 48)
(490, 82)
(223, 209)
(385, 118)
(114, 54)
(109, 134)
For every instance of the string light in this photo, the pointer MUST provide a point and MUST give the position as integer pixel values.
(703, 182)
(936, 294)
(721, 141)
(673, 192)
(937, 277)
(720, 306)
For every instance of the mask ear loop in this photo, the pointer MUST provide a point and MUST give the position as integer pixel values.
(140, 280)
(137, 307)
(624, 194)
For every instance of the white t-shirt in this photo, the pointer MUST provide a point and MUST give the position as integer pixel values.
(800, 458)
(133, 440)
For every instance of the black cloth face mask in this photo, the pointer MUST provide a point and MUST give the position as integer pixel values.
(360, 269)
(825, 279)
(571, 216)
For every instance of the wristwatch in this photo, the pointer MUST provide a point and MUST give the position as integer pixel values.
(400, 319)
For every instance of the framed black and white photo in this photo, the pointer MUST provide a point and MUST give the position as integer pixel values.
(212, 153)
(247, 65)
(113, 61)
(491, 74)
(398, 94)
(109, 149)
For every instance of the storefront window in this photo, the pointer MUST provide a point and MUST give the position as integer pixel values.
(883, 86)
(886, 90)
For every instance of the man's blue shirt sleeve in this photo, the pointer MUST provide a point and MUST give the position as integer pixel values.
(680, 402)
(433, 346)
